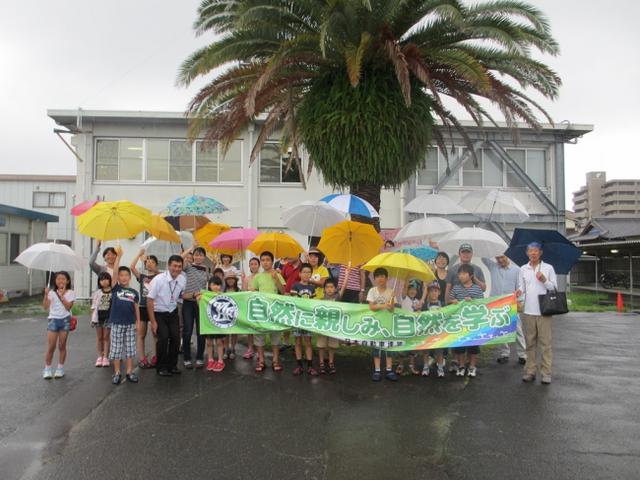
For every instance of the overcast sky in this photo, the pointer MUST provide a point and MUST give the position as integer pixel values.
(125, 54)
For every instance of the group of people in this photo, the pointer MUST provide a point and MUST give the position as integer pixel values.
(168, 302)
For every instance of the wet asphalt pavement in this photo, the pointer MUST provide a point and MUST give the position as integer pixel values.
(239, 424)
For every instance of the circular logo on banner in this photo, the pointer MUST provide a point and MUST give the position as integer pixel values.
(222, 311)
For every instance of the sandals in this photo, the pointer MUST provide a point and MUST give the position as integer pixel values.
(399, 369)
(276, 367)
(248, 355)
(312, 372)
(321, 369)
(259, 367)
(414, 370)
(297, 371)
(332, 369)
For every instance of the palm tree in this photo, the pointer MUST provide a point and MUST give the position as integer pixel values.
(359, 82)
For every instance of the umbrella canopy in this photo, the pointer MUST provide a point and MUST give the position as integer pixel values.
(557, 250)
(162, 230)
(82, 207)
(495, 205)
(234, 241)
(53, 257)
(401, 265)
(311, 217)
(205, 235)
(114, 220)
(350, 204)
(164, 249)
(485, 243)
(435, 204)
(280, 244)
(425, 228)
(194, 205)
(350, 243)
(187, 222)
(423, 252)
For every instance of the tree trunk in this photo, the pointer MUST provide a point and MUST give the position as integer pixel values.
(371, 193)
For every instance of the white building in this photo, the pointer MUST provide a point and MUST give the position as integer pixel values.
(19, 229)
(145, 157)
(50, 194)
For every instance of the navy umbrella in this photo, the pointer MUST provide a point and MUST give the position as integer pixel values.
(557, 250)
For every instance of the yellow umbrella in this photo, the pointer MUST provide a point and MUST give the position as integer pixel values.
(114, 220)
(401, 265)
(350, 243)
(205, 235)
(162, 230)
(280, 244)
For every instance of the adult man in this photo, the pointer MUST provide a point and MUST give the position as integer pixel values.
(536, 278)
(162, 306)
(465, 252)
(505, 280)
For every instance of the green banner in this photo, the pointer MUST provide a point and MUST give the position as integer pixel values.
(486, 321)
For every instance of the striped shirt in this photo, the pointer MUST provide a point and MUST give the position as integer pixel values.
(353, 282)
(460, 292)
(197, 277)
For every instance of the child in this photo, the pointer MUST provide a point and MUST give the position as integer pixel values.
(247, 284)
(227, 268)
(410, 302)
(144, 279)
(320, 273)
(269, 281)
(230, 285)
(380, 297)
(196, 275)
(323, 342)
(215, 285)
(433, 303)
(124, 317)
(218, 272)
(101, 307)
(59, 302)
(466, 290)
(304, 289)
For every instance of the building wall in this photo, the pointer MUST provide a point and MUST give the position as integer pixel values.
(18, 191)
(606, 198)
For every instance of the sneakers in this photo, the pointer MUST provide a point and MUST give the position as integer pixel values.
(471, 372)
(210, 365)
(528, 377)
(132, 377)
(460, 371)
(391, 375)
(144, 363)
(188, 365)
(232, 354)
(425, 371)
(47, 373)
(312, 372)
(522, 360)
(225, 355)
(105, 362)
(502, 360)
(99, 362)
(59, 373)
(376, 377)
(199, 364)
(453, 366)
(546, 379)
(116, 379)
(218, 366)
(441, 371)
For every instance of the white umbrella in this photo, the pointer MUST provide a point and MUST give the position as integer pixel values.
(434, 204)
(495, 205)
(312, 217)
(163, 249)
(426, 228)
(53, 257)
(485, 243)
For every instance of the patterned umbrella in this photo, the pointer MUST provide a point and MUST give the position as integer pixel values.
(194, 205)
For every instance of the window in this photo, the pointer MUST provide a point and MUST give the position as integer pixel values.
(273, 166)
(130, 159)
(206, 163)
(16, 245)
(493, 169)
(49, 199)
(428, 174)
(180, 160)
(520, 157)
(107, 159)
(230, 165)
(3, 249)
(472, 174)
(536, 167)
(157, 160)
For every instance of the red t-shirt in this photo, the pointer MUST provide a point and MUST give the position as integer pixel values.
(291, 275)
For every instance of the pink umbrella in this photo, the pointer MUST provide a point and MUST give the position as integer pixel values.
(82, 207)
(234, 240)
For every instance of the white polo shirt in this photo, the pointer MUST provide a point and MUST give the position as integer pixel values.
(166, 291)
(532, 287)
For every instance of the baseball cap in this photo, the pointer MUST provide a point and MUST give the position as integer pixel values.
(465, 247)
(433, 284)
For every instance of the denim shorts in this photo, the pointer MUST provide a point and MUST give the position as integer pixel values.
(59, 324)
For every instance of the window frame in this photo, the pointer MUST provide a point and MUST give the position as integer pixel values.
(283, 160)
(50, 197)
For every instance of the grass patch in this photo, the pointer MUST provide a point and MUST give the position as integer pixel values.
(589, 302)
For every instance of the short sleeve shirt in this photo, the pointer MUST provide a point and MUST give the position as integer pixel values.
(145, 285)
(318, 274)
(460, 292)
(264, 283)
(452, 275)
(304, 291)
(56, 307)
(379, 298)
(123, 305)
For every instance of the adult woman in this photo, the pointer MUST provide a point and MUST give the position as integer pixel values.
(108, 255)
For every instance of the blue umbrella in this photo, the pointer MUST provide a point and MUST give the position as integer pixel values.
(350, 204)
(557, 250)
(423, 252)
(193, 205)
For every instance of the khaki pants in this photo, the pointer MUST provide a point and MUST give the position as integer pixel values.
(537, 331)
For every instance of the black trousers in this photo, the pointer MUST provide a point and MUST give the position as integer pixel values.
(168, 343)
(351, 296)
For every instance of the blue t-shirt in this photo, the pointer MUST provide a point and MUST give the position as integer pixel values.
(460, 292)
(124, 302)
(304, 291)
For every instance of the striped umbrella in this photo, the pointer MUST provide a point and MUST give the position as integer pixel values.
(350, 204)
